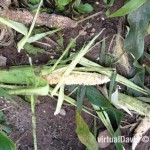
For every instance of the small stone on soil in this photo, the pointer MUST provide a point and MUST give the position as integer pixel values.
(52, 57)
(89, 25)
(103, 18)
(83, 33)
(93, 30)
(104, 139)
(92, 34)
(62, 112)
(97, 3)
(3, 61)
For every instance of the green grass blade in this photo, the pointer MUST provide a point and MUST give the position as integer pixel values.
(80, 97)
(76, 60)
(5, 94)
(41, 35)
(33, 121)
(22, 42)
(60, 100)
(65, 52)
(73, 102)
(91, 66)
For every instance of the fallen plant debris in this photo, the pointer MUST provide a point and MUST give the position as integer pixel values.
(72, 72)
(6, 35)
(50, 20)
(142, 128)
(77, 78)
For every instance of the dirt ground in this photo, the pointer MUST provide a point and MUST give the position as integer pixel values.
(58, 132)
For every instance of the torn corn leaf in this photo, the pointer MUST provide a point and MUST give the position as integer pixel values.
(77, 78)
(25, 76)
(92, 66)
(19, 27)
(114, 101)
(39, 36)
(60, 100)
(134, 104)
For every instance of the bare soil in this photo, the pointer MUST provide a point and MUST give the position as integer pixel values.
(58, 132)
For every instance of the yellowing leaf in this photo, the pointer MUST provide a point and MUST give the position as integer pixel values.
(84, 134)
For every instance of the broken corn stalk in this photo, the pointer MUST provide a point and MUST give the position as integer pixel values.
(27, 80)
(77, 78)
(27, 75)
(43, 19)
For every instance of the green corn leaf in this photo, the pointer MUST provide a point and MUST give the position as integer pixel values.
(6, 143)
(7, 96)
(132, 103)
(110, 116)
(30, 49)
(84, 134)
(62, 3)
(131, 6)
(96, 98)
(80, 97)
(24, 75)
(139, 21)
(148, 69)
(84, 8)
(97, 68)
(34, 2)
(19, 27)
(41, 35)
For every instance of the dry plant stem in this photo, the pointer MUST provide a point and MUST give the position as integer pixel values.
(142, 128)
(6, 35)
(44, 19)
(77, 78)
(33, 121)
(122, 64)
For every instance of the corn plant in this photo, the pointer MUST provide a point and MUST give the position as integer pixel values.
(35, 80)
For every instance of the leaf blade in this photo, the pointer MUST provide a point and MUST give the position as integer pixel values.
(128, 8)
(6, 143)
(19, 27)
(84, 134)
